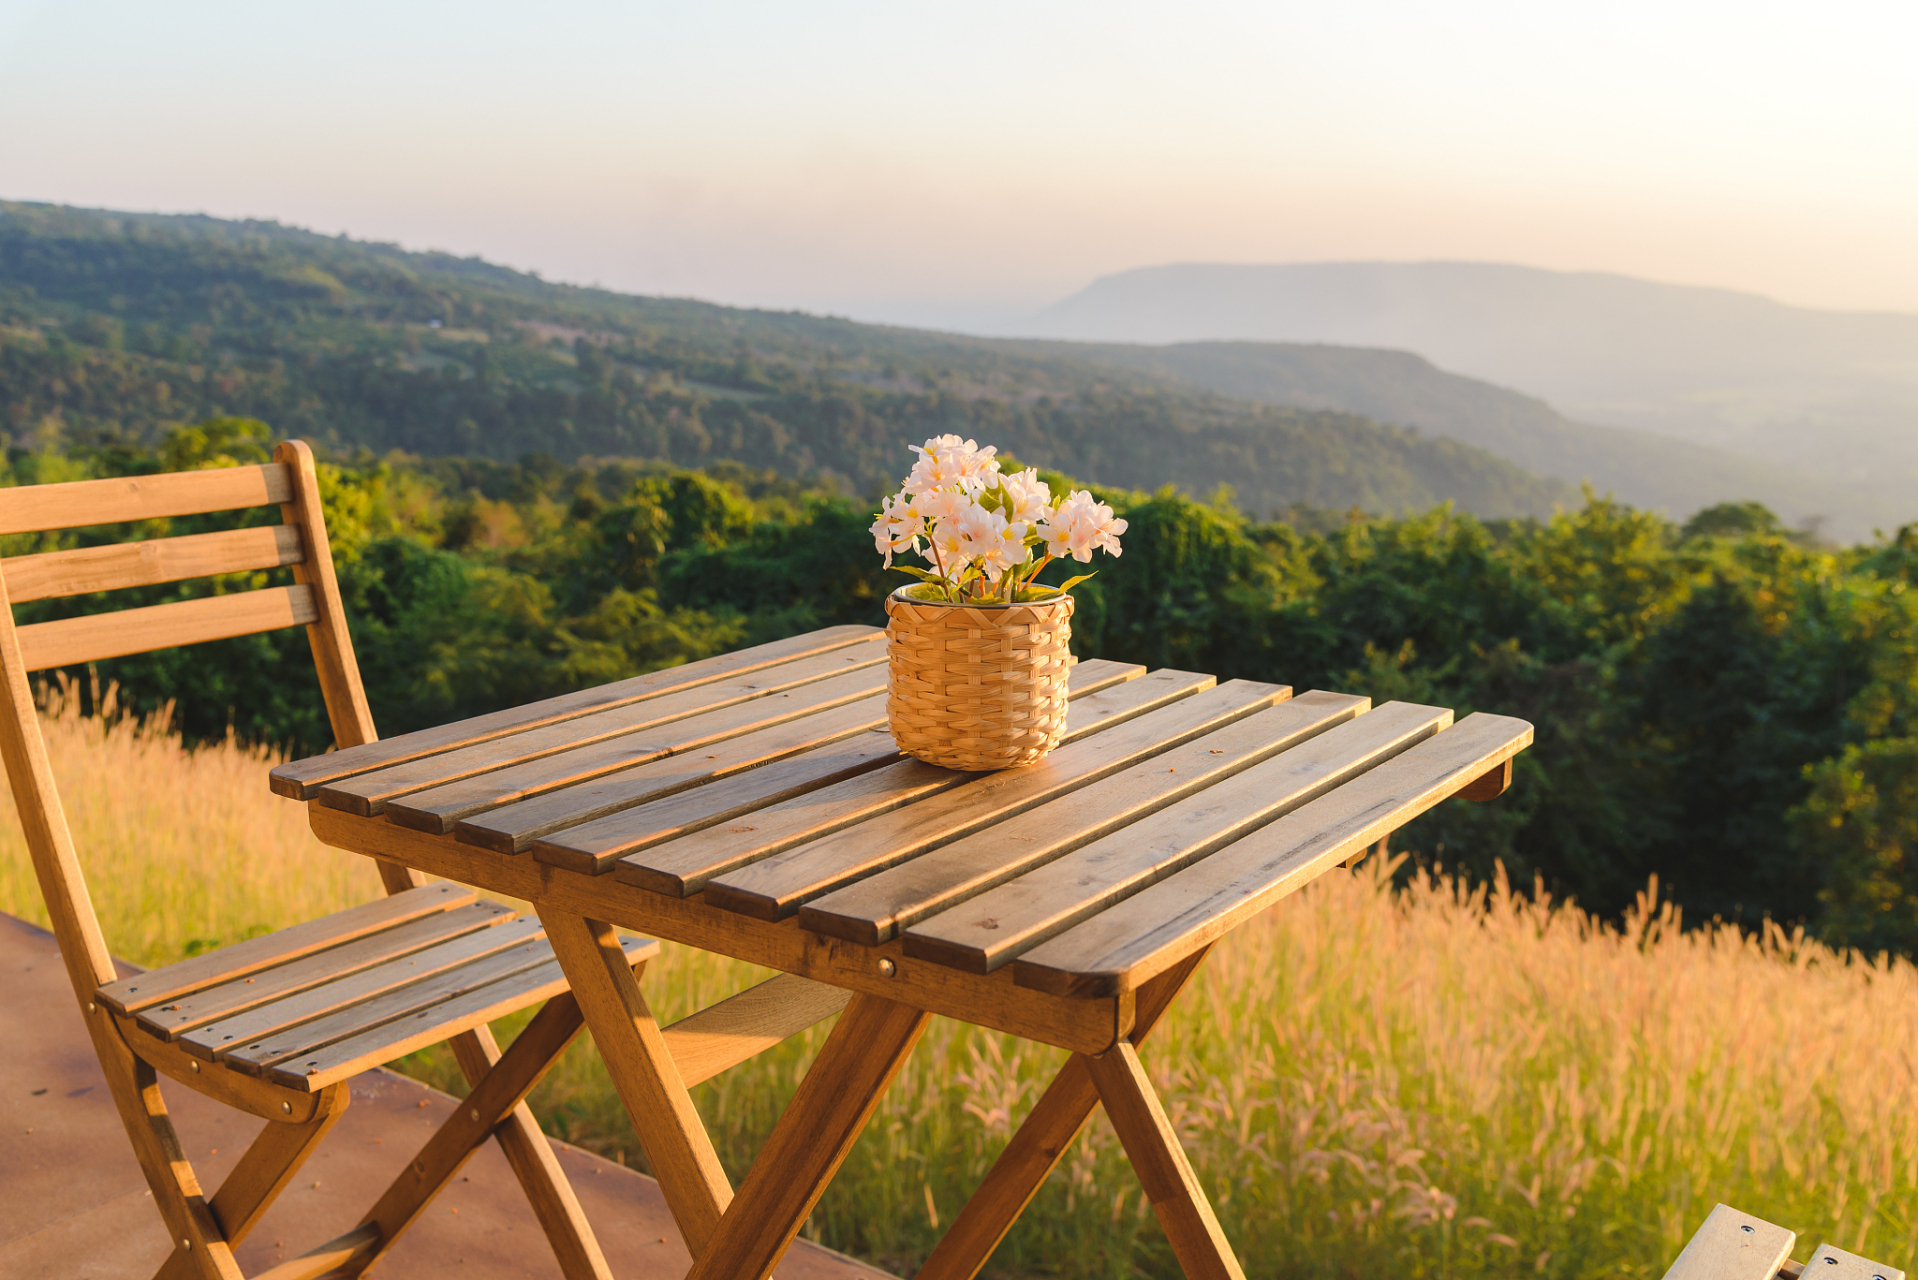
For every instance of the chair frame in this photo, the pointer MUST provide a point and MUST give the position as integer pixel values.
(207, 1229)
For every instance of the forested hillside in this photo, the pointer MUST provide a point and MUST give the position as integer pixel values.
(113, 326)
(1717, 703)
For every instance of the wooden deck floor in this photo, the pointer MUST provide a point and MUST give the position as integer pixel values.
(73, 1204)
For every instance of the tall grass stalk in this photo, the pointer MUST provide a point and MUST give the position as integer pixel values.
(1438, 1081)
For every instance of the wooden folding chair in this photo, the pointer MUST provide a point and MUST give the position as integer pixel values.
(275, 1025)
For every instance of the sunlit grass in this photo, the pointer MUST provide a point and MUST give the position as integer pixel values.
(1429, 1083)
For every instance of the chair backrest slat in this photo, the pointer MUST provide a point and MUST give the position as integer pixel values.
(144, 564)
(161, 626)
(290, 482)
(38, 507)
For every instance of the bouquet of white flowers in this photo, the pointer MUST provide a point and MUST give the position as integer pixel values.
(982, 530)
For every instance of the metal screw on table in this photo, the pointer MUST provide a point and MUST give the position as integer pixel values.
(194, 1066)
(287, 1107)
(888, 968)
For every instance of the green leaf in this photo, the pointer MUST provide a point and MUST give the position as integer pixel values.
(1070, 583)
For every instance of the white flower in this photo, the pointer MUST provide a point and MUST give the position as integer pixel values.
(989, 539)
(948, 552)
(947, 460)
(937, 504)
(898, 527)
(1081, 526)
(1028, 496)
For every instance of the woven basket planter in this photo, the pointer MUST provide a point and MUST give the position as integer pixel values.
(977, 687)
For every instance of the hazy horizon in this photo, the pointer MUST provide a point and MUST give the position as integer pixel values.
(959, 166)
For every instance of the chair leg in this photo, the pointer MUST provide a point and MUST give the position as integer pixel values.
(839, 1094)
(135, 1087)
(1153, 1148)
(498, 1097)
(531, 1156)
(642, 1069)
(263, 1172)
(1038, 1146)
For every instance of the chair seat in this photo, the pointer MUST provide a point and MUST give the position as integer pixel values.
(321, 1001)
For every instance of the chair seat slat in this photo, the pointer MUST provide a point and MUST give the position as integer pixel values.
(454, 955)
(157, 986)
(384, 1035)
(175, 1018)
(32, 508)
(142, 564)
(112, 635)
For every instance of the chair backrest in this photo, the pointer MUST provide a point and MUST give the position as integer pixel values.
(298, 542)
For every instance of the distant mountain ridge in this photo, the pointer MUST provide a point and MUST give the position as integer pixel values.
(1640, 467)
(1832, 396)
(114, 325)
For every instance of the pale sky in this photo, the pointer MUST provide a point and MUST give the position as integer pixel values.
(964, 163)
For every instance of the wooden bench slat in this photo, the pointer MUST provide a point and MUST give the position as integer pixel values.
(278, 1018)
(991, 929)
(157, 986)
(300, 779)
(514, 827)
(35, 507)
(381, 1044)
(1733, 1246)
(173, 1019)
(686, 865)
(580, 842)
(143, 564)
(776, 887)
(778, 724)
(721, 1036)
(872, 910)
(1829, 1262)
(1128, 944)
(367, 794)
(111, 635)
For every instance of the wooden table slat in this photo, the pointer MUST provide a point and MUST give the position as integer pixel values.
(686, 865)
(776, 887)
(662, 809)
(514, 826)
(369, 793)
(804, 716)
(992, 929)
(300, 779)
(872, 910)
(1127, 944)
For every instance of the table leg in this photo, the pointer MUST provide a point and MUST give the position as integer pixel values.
(833, 1103)
(1153, 1147)
(641, 1066)
(1038, 1146)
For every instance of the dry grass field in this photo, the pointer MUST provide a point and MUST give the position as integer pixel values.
(1430, 1082)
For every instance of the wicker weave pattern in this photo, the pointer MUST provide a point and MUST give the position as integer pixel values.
(977, 688)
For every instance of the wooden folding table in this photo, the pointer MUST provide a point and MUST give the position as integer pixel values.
(754, 805)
